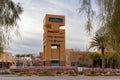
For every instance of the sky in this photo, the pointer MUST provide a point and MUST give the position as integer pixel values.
(31, 25)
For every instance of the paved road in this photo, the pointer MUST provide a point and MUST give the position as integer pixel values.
(60, 78)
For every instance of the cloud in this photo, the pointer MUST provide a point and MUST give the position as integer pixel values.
(26, 45)
(31, 25)
(61, 5)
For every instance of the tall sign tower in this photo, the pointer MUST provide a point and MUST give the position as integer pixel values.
(54, 40)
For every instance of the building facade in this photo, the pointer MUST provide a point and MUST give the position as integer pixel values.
(78, 58)
(54, 40)
(6, 60)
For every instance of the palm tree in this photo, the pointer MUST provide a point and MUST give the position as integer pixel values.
(107, 14)
(99, 42)
(9, 15)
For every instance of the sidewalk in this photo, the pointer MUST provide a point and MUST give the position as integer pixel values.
(60, 78)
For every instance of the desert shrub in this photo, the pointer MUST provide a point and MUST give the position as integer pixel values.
(13, 73)
(66, 72)
(58, 73)
(28, 74)
(72, 73)
(21, 74)
(25, 74)
(4, 73)
(81, 73)
(45, 73)
(92, 73)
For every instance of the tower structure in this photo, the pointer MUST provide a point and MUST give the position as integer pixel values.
(54, 40)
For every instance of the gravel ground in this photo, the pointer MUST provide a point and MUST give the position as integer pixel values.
(6, 77)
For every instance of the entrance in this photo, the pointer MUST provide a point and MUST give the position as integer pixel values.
(55, 63)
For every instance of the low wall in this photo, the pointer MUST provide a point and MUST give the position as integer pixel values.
(98, 70)
(43, 68)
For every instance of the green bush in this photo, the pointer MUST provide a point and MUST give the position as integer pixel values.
(81, 73)
(25, 74)
(29, 74)
(66, 72)
(45, 73)
(20, 74)
(13, 73)
(4, 73)
(72, 73)
(92, 73)
(117, 74)
(58, 73)
(109, 74)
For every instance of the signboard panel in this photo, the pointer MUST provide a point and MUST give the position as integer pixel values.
(55, 19)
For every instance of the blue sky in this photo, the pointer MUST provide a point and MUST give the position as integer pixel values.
(31, 25)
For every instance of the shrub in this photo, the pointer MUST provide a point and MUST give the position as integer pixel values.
(58, 73)
(66, 72)
(20, 74)
(4, 73)
(72, 73)
(45, 73)
(109, 74)
(25, 74)
(28, 74)
(81, 73)
(117, 74)
(13, 73)
(92, 73)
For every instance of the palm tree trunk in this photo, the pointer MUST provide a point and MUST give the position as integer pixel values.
(103, 62)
